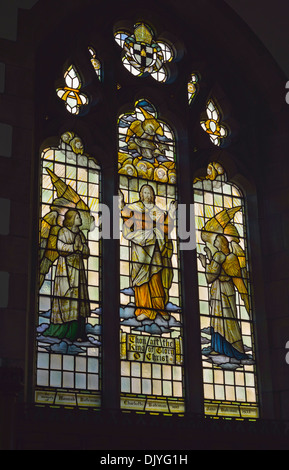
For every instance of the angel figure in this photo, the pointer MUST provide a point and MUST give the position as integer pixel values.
(63, 240)
(225, 268)
(214, 170)
(142, 135)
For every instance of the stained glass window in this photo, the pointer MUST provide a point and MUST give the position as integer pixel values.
(95, 62)
(68, 368)
(213, 125)
(225, 297)
(69, 341)
(193, 87)
(151, 327)
(143, 54)
(71, 94)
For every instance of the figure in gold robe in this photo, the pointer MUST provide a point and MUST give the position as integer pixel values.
(148, 227)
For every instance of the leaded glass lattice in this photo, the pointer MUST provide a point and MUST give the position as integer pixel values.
(213, 125)
(71, 93)
(142, 54)
(151, 330)
(225, 297)
(68, 371)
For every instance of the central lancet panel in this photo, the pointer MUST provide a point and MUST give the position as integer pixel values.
(151, 330)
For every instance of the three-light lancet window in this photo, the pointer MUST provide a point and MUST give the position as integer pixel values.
(153, 365)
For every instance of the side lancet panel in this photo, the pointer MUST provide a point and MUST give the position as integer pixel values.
(68, 369)
(225, 297)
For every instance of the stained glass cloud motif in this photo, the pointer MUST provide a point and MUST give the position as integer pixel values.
(142, 54)
(225, 297)
(146, 145)
(71, 94)
(68, 336)
(216, 130)
(151, 328)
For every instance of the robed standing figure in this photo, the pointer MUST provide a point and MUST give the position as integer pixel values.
(70, 306)
(148, 227)
(226, 273)
(62, 240)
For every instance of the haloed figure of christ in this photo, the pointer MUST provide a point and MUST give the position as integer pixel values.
(70, 305)
(147, 227)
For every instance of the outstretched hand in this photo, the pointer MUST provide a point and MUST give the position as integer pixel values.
(173, 208)
(121, 202)
(203, 259)
(208, 253)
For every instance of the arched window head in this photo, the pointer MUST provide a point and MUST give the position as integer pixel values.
(151, 312)
(142, 54)
(225, 297)
(69, 299)
(143, 137)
